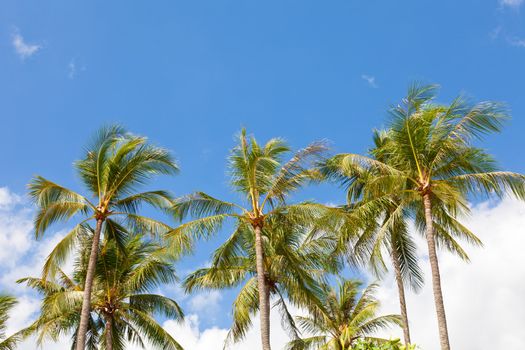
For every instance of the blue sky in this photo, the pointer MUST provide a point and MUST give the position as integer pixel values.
(190, 74)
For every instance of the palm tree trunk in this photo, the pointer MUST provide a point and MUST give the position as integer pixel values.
(264, 293)
(86, 300)
(436, 279)
(401, 294)
(109, 334)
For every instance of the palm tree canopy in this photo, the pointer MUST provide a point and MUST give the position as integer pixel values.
(264, 181)
(115, 165)
(296, 259)
(385, 219)
(428, 148)
(340, 316)
(121, 295)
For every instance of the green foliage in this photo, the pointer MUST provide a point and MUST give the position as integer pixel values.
(296, 260)
(425, 160)
(427, 151)
(427, 148)
(338, 318)
(377, 345)
(264, 182)
(121, 297)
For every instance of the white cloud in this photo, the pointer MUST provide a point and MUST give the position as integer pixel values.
(516, 42)
(484, 299)
(15, 228)
(72, 69)
(206, 301)
(22, 314)
(20, 256)
(8, 199)
(511, 3)
(23, 48)
(30, 265)
(191, 337)
(370, 80)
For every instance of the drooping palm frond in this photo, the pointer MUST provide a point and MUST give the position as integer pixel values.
(245, 306)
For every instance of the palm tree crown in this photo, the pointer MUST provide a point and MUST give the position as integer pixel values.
(122, 305)
(338, 318)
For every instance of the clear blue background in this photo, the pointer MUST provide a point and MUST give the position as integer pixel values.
(190, 74)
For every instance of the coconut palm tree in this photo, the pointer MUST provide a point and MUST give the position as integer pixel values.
(264, 181)
(432, 167)
(114, 166)
(122, 306)
(385, 229)
(7, 303)
(296, 258)
(339, 317)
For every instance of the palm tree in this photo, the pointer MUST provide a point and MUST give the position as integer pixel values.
(388, 231)
(115, 164)
(122, 305)
(337, 319)
(296, 258)
(264, 182)
(7, 303)
(432, 167)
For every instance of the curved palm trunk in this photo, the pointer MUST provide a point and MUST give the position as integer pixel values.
(436, 279)
(401, 294)
(264, 293)
(86, 300)
(109, 334)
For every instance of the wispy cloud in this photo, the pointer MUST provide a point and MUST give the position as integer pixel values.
(511, 3)
(72, 69)
(519, 42)
(371, 80)
(22, 48)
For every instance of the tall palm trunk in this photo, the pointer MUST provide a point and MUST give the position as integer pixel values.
(401, 294)
(264, 293)
(109, 334)
(436, 279)
(86, 300)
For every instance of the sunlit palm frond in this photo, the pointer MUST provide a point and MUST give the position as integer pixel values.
(244, 307)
